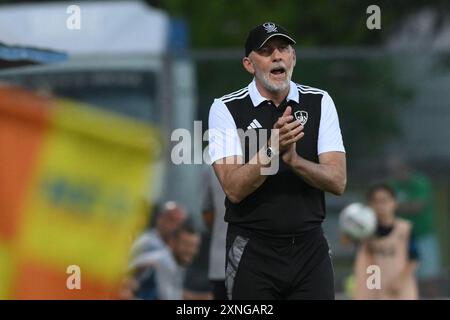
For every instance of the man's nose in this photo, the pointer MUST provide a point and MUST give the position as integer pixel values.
(276, 55)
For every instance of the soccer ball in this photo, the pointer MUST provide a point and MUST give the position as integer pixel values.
(357, 221)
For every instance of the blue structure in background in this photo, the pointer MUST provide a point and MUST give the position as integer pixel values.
(178, 38)
(13, 56)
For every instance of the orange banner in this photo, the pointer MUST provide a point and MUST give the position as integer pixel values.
(74, 180)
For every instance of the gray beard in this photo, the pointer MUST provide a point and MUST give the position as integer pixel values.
(271, 86)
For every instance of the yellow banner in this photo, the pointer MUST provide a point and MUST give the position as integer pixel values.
(85, 198)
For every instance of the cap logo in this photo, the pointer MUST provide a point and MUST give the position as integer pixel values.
(270, 27)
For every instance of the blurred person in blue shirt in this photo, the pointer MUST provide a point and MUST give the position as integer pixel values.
(161, 273)
(169, 218)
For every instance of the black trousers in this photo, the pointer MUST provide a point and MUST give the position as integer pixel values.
(259, 267)
(218, 290)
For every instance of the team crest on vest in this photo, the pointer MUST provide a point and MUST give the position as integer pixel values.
(270, 27)
(302, 116)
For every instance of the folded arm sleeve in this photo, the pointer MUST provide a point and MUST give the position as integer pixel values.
(223, 136)
(330, 137)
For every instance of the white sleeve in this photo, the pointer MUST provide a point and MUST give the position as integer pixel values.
(223, 136)
(145, 259)
(330, 137)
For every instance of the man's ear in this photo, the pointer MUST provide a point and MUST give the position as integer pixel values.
(248, 65)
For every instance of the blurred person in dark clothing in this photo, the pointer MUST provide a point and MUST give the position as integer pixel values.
(213, 210)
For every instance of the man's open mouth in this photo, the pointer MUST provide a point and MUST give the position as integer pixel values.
(278, 71)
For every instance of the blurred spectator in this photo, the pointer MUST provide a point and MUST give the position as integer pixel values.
(170, 217)
(392, 249)
(213, 209)
(161, 273)
(415, 197)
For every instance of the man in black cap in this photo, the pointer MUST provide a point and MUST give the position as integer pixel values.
(275, 244)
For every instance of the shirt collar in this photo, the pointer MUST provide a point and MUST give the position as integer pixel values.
(257, 98)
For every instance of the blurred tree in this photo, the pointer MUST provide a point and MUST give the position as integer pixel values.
(368, 95)
(225, 23)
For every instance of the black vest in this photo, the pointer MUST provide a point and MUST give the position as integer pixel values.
(284, 205)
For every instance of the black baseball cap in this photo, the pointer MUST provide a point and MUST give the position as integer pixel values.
(259, 35)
